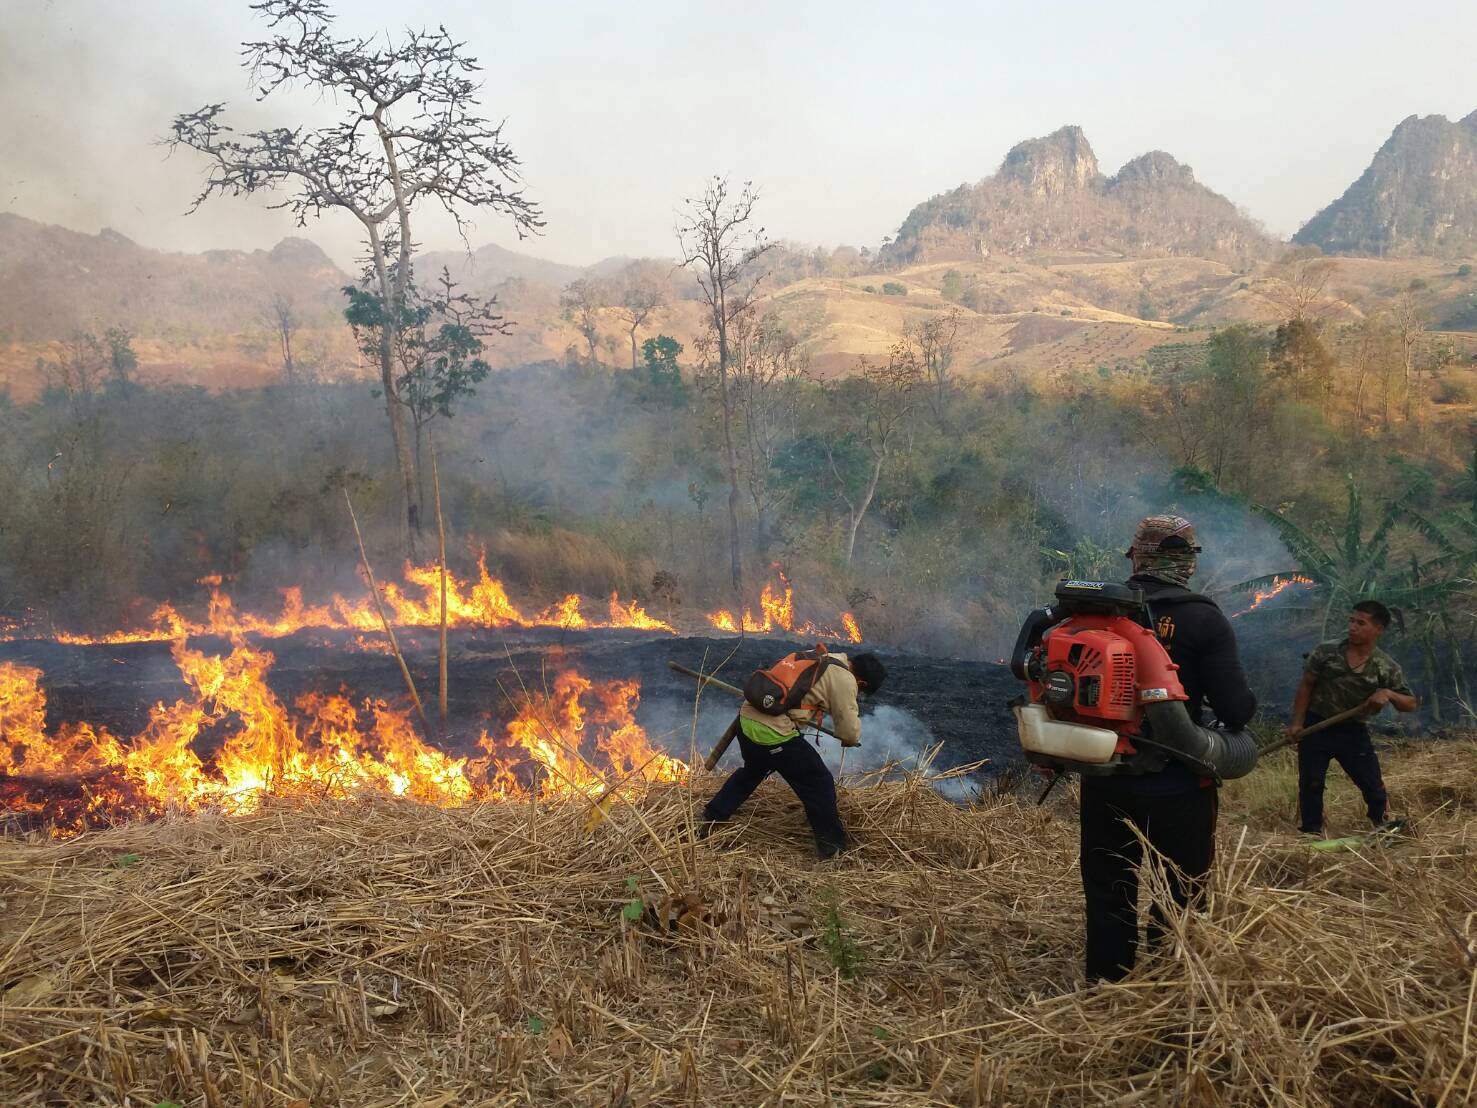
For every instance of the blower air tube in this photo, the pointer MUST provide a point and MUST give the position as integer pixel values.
(1224, 755)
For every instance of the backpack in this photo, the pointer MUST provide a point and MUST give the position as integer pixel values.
(781, 687)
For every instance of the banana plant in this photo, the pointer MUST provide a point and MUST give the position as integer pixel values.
(1343, 564)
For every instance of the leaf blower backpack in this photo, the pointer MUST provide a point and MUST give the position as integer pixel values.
(782, 687)
(1103, 696)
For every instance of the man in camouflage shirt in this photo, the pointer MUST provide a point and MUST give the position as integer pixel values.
(1341, 674)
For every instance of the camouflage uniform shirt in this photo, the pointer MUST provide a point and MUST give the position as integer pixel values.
(1337, 688)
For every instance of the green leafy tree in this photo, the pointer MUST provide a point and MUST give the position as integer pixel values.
(438, 360)
(122, 359)
(1299, 354)
(660, 355)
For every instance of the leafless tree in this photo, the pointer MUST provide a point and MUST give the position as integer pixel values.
(933, 340)
(769, 364)
(1410, 326)
(281, 315)
(644, 292)
(78, 371)
(410, 133)
(722, 247)
(1370, 350)
(883, 396)
(1299, 283)
(580, 303)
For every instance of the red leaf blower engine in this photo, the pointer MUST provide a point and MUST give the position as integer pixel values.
(1103, 695)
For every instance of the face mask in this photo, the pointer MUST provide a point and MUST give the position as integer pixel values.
(1173, 566)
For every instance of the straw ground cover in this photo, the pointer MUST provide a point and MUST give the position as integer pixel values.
(382, 953)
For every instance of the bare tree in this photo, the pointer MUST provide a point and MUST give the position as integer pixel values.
(78, 371)
(883, 397)
(769, 365)
(722, 247)
(580, 304)
(281, 315)
(933, 340)
(644, 293)
(1371, 340)
(1299, 282)
(410, 132)
(1410, 325)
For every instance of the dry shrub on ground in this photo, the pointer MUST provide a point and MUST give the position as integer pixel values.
(384, 953)
(557, 561)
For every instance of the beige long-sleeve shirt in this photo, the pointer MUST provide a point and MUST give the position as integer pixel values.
(834, 693)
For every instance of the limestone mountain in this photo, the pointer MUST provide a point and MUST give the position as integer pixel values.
(1050, 195)
(1418, 196)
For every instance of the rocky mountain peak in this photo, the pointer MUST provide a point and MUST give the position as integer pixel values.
(1050, 166)
(1418, 196)
(1154, 168)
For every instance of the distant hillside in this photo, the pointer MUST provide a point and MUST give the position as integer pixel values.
(489, 266)
(54, 281)
(1418, 196)
(1049, 195)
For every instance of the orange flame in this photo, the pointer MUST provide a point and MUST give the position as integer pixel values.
(779, 612)
(1279, 584)
(479, 602)
(574, 742)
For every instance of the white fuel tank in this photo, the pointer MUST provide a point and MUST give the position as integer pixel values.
(1076, 742)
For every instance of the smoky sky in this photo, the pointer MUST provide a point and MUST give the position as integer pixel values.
(844, 114)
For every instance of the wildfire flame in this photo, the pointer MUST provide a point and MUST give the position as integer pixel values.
(576, 740)
(778, 610)
(479, 602)
(1279, 584)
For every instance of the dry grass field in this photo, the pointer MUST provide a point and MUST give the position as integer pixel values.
(384, 953)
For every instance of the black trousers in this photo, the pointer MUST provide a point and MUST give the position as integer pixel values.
(1180, 826)
(800, 765)
(1348, 744)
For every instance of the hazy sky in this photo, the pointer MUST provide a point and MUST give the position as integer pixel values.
(845, 114)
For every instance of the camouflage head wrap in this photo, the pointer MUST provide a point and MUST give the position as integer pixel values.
(1164, 547)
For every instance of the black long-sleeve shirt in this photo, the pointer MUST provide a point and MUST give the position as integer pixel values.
(1200, 641)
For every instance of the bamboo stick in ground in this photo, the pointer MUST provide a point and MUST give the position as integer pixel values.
(441, 540)
(379, 606)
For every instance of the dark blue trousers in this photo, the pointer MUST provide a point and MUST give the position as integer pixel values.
(801, 766)
(1349, 745)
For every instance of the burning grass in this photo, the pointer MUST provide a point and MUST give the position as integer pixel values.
(380, 952)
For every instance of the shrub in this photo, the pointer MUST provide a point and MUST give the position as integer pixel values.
(1456, 388)
(1464, 270)
(953, 285)
(892, 288)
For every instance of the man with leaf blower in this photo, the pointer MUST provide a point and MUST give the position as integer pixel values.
(1118, 677)
(798, 690)
(1176, 807)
